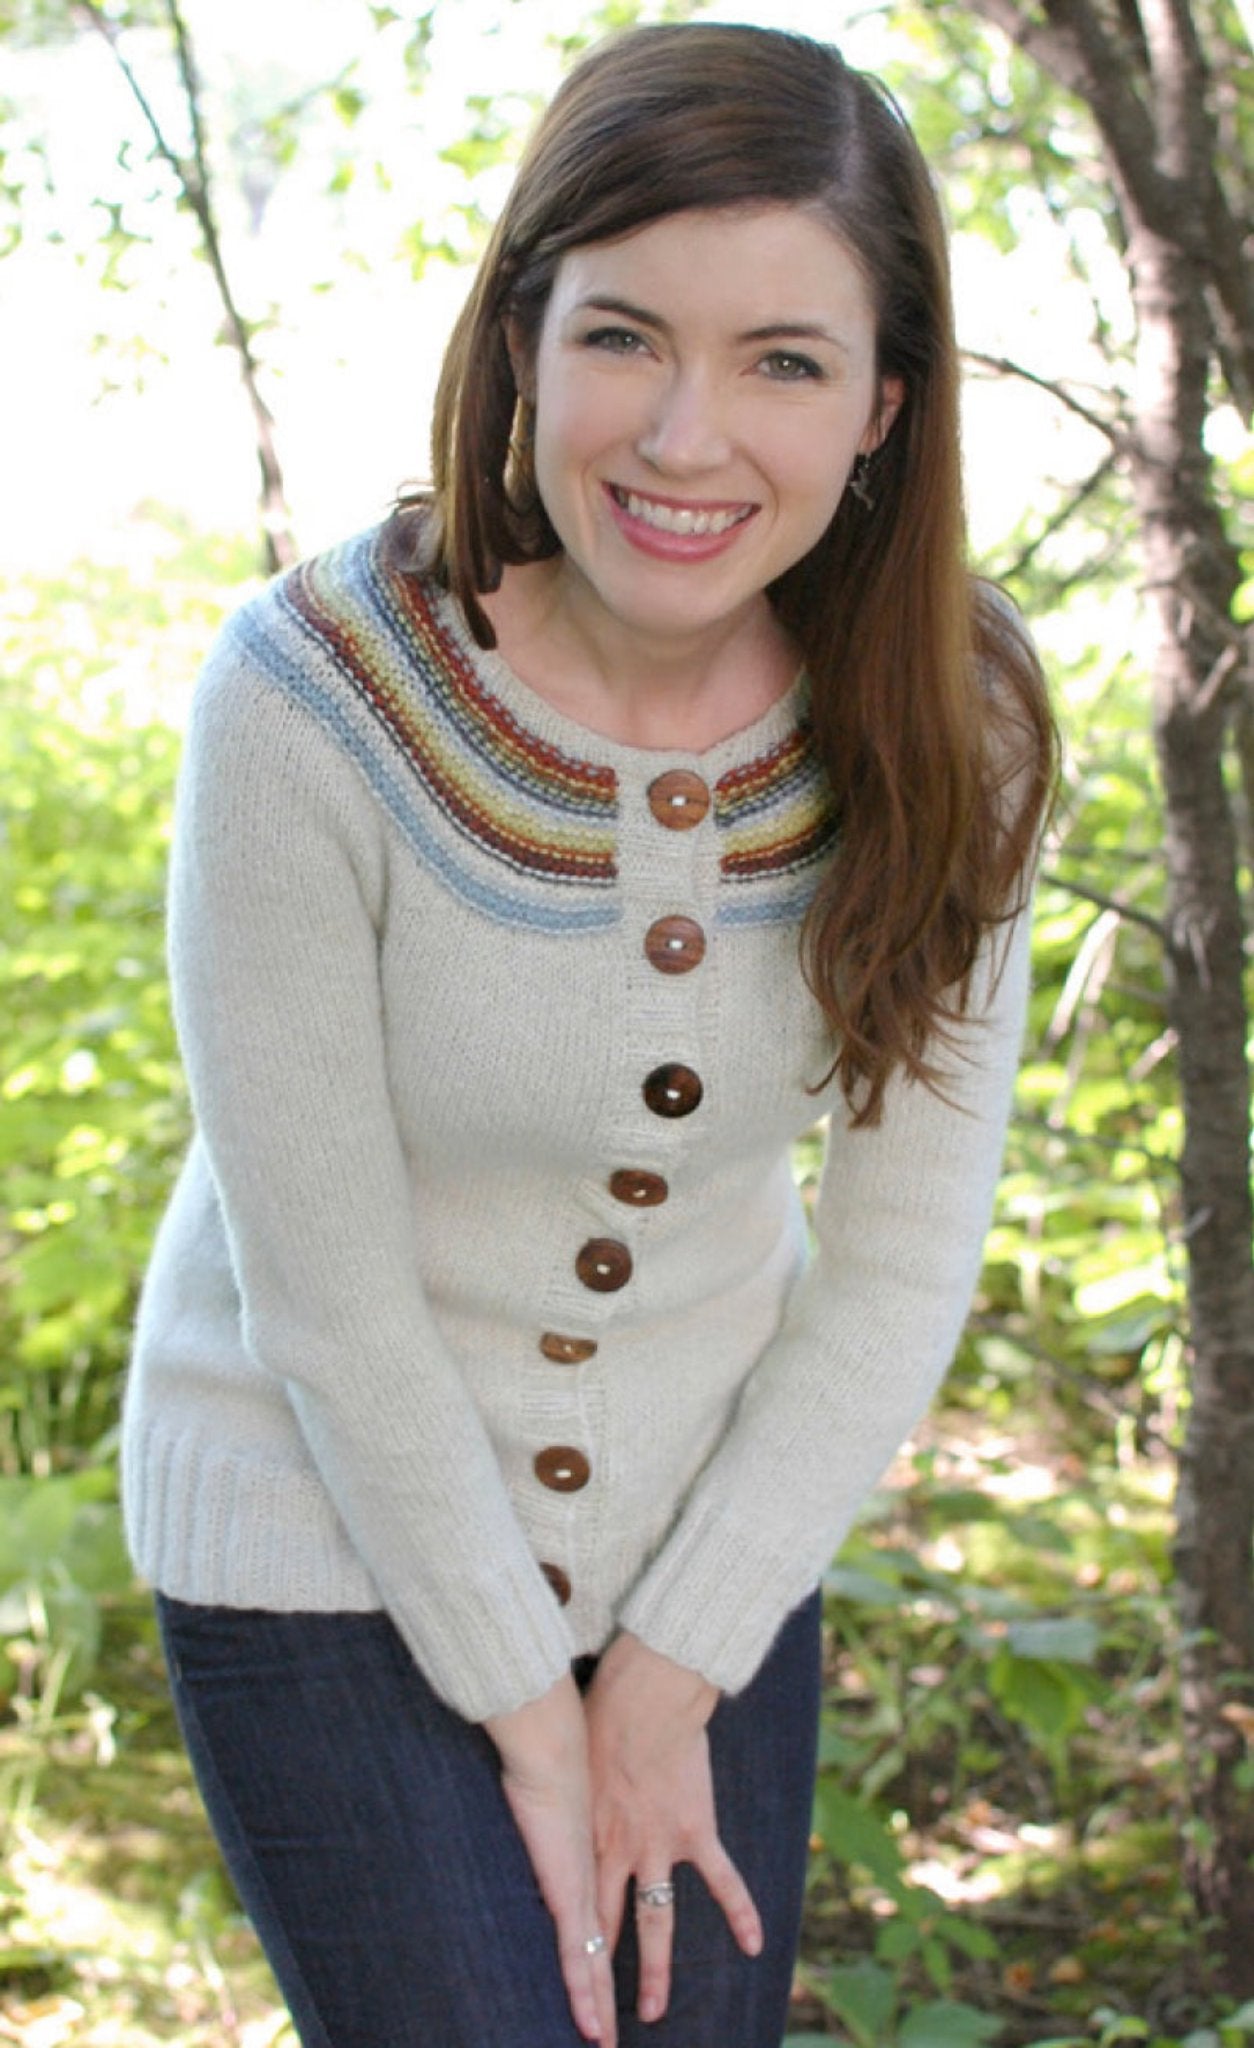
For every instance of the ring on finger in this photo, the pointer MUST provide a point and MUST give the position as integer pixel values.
(658, 1896)
(595, 1945)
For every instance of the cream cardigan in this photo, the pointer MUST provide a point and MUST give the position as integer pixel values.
(408, 919)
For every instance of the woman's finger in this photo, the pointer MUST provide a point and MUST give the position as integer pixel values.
(551, 1810)
(612, 1879)
(655, 1936)
(731, 1892)
(589, 1979)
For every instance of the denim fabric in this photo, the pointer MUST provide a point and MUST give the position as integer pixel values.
(365, 1829)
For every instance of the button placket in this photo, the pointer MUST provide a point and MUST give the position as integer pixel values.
(673, 852)
(670, 858)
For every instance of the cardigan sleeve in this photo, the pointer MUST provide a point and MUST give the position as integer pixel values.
(277, 879)
(870, 1329)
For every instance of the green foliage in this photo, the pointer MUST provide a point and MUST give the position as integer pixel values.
(921, 1929)
(866, 1998)
(90, 1088)
(92, 1109)
(1112, 2029)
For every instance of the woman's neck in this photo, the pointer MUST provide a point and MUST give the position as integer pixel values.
(657, 692)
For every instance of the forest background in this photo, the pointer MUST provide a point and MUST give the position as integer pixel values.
(232, 243)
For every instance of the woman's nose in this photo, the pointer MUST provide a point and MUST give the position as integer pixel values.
(686, 432)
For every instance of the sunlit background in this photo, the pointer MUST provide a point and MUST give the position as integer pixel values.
(111, 401)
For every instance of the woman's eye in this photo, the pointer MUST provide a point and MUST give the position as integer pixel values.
(617, 341)
(789, 368)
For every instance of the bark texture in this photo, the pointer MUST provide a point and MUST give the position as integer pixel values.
(1142, 72)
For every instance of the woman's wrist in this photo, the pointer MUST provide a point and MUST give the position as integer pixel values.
(662, 1686)
(544, 1734)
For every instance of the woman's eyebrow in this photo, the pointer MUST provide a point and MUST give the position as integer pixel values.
(796, 330)
(597, 302)
(775, 330)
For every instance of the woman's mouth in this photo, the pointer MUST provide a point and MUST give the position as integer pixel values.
(680, 522)
(681, 519)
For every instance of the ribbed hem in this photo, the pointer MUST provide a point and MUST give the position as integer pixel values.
(221, 1529)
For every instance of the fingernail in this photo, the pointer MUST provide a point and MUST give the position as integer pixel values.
(651, 2008)
(753, 1945)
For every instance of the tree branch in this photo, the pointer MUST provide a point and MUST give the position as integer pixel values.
(1077, 51)
(96, 19)
(196, 187)
(1062, 517)
(1126, 911)
(1005, 368)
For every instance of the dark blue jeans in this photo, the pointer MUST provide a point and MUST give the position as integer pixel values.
(366, 1832)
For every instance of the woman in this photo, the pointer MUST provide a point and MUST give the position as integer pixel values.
(546, 863)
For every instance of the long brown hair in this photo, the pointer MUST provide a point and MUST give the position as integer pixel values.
(928, 706)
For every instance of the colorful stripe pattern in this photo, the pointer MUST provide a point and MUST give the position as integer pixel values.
(515, 825)
(776, 820)
(521, 829)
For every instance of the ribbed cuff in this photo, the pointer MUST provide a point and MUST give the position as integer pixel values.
(489, 1642)
(714, 1599)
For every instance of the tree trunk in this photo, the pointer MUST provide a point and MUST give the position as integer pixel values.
(1141, 72)
(1192, 575)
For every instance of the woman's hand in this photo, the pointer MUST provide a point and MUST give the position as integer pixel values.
(544, 1774)
(653, 1804)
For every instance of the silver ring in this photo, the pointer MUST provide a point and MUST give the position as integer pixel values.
(657, 1895)
(595, 1945)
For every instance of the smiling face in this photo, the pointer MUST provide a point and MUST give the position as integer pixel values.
(701, 390)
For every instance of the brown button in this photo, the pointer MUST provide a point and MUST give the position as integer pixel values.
(562, 1468)
(643, 1190)
(679, 800)
(559, 1581)
(604, 1265)
(673, 1090)
(567, 1350)
(675, 945)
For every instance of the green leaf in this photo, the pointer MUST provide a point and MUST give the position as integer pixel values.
(868, 1589)
(973, 1940)
(1071, 1639)
(1045, 1698)
(864, 1996)
(349, 103)
(855, 1834)
(37, 1517)
(947, 2024)
(896, 1940)
(95, 1557)
(935, 1957)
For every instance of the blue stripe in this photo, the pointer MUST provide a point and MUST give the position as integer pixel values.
(779, 910)
(549, 916)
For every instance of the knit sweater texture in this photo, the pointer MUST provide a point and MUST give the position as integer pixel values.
(408, 916)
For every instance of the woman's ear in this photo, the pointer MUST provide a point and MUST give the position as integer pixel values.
(892, 398)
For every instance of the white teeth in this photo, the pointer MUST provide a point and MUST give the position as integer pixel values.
(672, 519)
